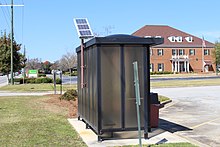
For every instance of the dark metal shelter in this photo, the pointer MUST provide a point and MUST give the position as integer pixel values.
(106, 102)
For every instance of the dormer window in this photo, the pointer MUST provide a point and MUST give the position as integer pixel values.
(179, 39)
(172, 38)
(147, 36)
(157, 36)
(189, 39)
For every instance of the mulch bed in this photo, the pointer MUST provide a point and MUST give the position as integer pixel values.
(71, 105)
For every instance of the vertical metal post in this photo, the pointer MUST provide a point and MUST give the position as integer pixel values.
(24, 73)
(122, 73)
(146, 56)
(82, 64)
(61, 82)
(54, 81)
(138, 101)
(12, 38)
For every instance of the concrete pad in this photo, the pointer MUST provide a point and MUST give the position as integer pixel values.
(91, 139)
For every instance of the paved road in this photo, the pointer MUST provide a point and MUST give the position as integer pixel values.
(66, 79)
(185, 78)
(194, 113)
(3, 80)
(69, 79)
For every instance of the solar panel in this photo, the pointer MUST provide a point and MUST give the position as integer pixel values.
(83, 28)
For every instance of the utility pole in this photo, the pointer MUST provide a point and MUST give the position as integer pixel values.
(12, 37)
(24, 70)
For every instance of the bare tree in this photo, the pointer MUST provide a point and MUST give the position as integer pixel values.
(33, 64)
(55, 65)
(68, 61)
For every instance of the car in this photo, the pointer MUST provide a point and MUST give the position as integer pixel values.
(218, 67)
(1, 74)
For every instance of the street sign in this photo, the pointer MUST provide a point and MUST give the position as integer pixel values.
(32, 73)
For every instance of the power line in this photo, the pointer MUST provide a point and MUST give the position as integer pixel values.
(22, 25)
(4, 14)
(8, 12)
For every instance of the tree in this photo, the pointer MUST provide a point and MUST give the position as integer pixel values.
(46, 67)
(55, 65)
(217, 53)
(68, 61)
(33, 64)
(5, 58)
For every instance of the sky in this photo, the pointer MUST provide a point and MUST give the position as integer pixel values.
(46, 27)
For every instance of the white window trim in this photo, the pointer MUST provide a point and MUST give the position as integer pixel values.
(160, 52)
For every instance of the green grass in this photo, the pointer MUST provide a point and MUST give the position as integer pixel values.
(163, 98)
(185, 83)
(36, 87)
(25, 122)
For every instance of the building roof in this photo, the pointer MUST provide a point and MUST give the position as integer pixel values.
(120, 39)
(167, 31)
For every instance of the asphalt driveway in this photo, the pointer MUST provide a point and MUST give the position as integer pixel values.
(194, 113)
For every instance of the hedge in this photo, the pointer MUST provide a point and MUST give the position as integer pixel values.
(36, 80)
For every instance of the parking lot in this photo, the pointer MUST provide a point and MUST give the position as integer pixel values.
(193, 114)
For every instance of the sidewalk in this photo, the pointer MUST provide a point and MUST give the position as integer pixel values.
(157, 136)
(10, 93)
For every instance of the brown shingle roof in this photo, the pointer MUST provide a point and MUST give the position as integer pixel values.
(167, 31)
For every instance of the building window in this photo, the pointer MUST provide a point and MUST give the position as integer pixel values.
(206, 52)
(151, 67)
(191, 51)
(189, 39)
(181, 52)
(174, 52)
(151, 52)
(172, 38)
(179, 39)
(160, 52)
(160, 67)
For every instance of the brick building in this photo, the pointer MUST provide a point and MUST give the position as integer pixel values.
(181, 52)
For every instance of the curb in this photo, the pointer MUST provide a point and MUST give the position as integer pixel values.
(164, 103)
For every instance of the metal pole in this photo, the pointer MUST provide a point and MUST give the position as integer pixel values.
(24, 73)
(138, 101)
(82, 64)
(54, 81)
(70, 73)
(61, 79)
(12, 38)
(202, 58)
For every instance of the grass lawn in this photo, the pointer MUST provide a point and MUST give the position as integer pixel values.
(37, 87)
(28, 121)
(185, 83)
(163, 98)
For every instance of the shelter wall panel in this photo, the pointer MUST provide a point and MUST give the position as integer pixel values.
(111, 87)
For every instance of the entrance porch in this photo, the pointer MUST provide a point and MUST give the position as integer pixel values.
(180, 63)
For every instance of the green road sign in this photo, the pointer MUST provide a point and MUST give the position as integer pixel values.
(33, 71)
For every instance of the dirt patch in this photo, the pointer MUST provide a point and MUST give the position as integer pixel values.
(54, 103)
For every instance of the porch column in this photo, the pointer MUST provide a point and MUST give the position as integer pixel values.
(172, 67)
(178, 66)
(185, 66)
(175, 67)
